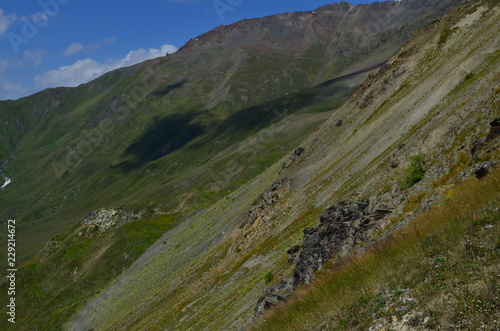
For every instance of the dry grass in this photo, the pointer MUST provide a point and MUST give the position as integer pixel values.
(448, 254)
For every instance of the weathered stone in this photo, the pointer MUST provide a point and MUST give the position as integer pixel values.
(291, 160)
(494, 130)
(483, 170)
(293, 250)
(273, 295)
(341, 228)
(275, 193)
(106, 218)
(311, 238)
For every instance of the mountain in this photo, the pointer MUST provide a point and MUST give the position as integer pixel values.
(401, 144)
(165, 195)
(124, 133)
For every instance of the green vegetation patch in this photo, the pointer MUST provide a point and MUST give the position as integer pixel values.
(269, 277)
(415, 172)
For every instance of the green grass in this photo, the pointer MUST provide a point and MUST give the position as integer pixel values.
(444, 254)
(80, 263)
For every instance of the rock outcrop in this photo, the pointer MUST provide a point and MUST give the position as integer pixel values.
(342, 227)
(259, 211)
(106, 218)
(273, 295)
(293, 158)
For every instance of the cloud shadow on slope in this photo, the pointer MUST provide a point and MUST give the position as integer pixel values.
(163, 137)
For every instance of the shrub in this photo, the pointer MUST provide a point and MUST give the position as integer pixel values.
(469, 76)
(415, 172)
(269, 277)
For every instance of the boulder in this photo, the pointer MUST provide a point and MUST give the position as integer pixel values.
(273, 295)
(483, 170)
(494, 130)
(106, 218)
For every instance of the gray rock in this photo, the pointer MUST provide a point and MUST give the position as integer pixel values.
(273, 295)
(494, 130)
(293, 158)
(341, 228)
(106, 218)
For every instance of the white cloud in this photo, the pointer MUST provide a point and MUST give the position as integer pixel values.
(110, 40)
(83, 71)
(34, 57)
(9, 90)
(5, 21)
(12, 85)
(73, 75)
(142, 54)
(73, 48)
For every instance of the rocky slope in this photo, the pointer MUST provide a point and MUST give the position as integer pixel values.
(437, 98)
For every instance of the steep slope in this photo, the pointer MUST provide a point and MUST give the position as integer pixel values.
(161, 145)
(126, 134)
(435, 98)
(439, 272)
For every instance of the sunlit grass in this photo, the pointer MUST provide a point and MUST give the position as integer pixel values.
(448, 245)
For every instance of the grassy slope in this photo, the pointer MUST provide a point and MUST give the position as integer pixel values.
(442, 268)
(71, 267)
(419, 100)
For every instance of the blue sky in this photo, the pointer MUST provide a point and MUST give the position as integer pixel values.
(49, 43)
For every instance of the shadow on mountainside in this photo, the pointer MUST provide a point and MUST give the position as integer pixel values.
(161, 138)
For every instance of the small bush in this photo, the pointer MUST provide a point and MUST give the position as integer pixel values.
(415, 172)
(470, 75)
(269, 277)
